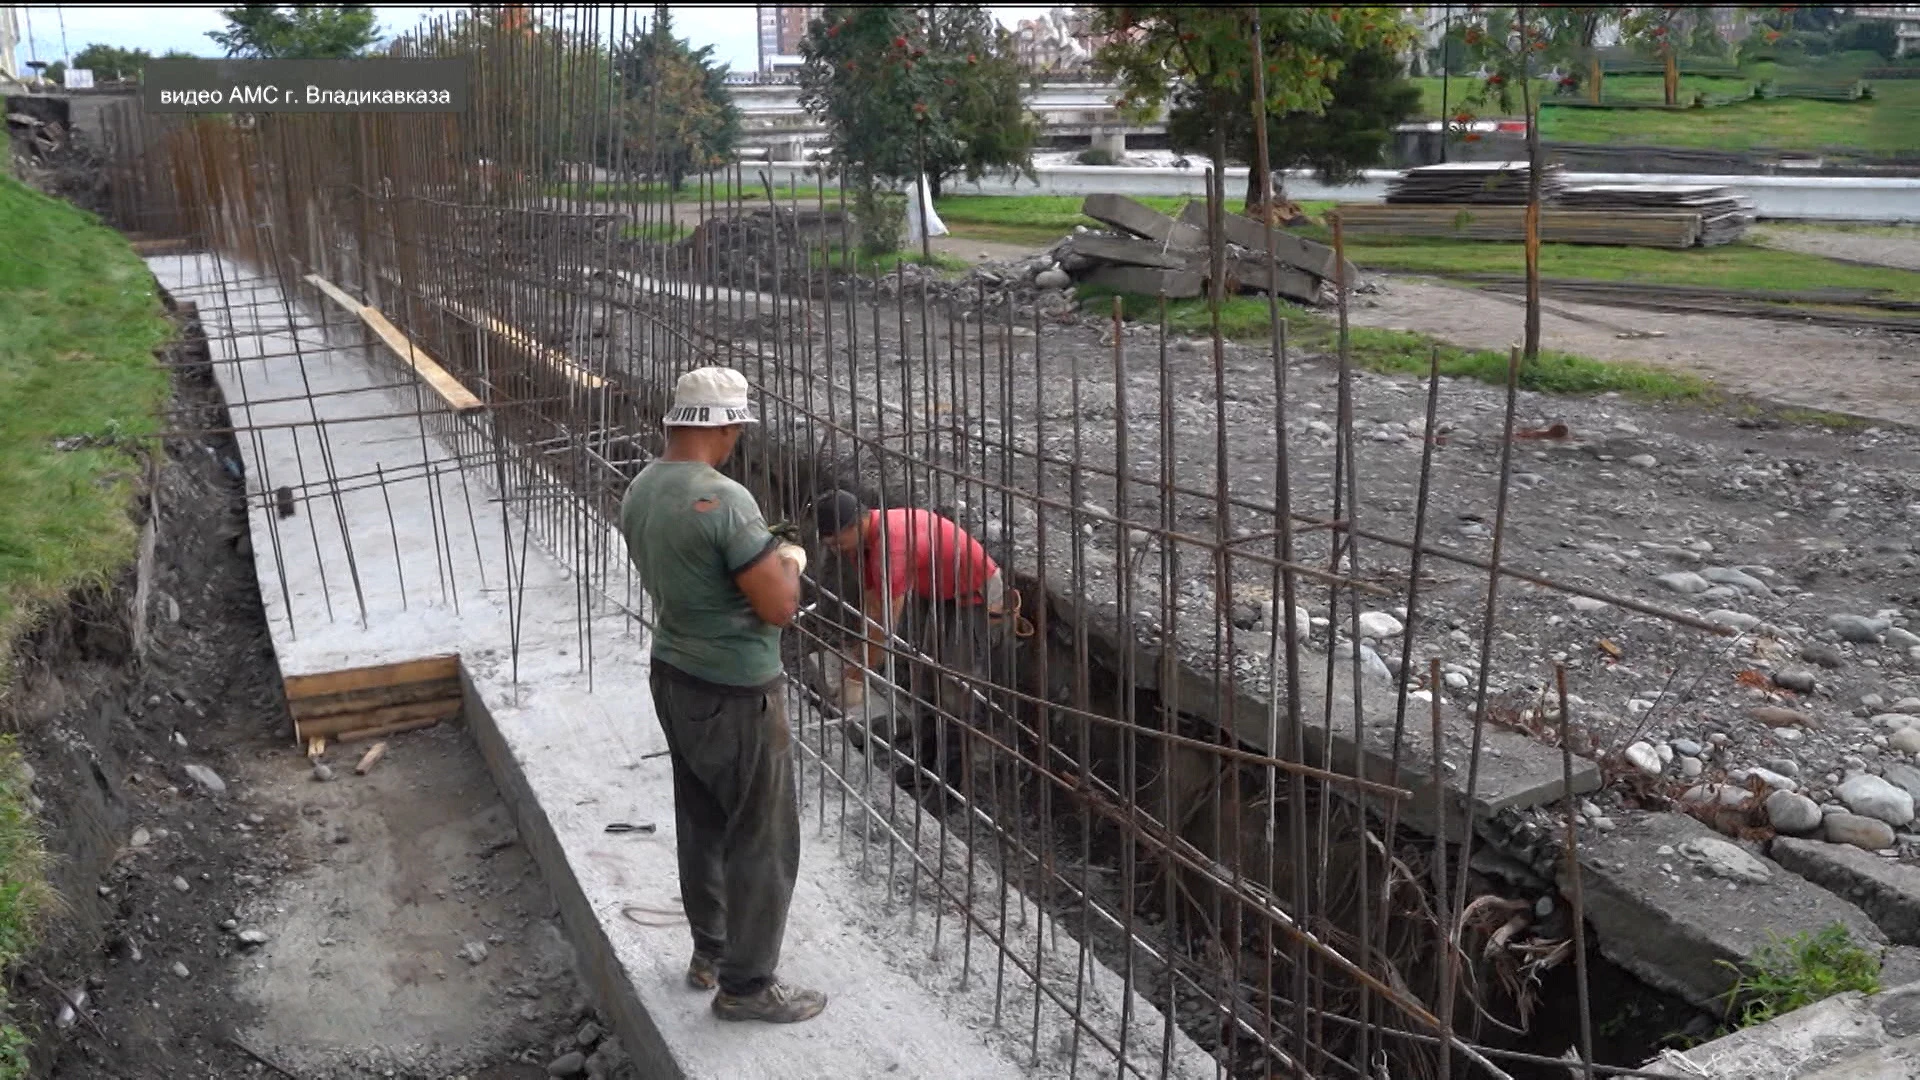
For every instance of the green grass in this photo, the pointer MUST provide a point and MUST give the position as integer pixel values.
(1245, 318)
(662, 232)
(77, 334)
(950, 266)
(1039, 220)
(1888, 123)
(1795, 972)
(1739, 265)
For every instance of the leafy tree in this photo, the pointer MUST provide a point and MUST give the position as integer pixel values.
(57, 72)
(902, 93)
(677, 115)
(297, 31)
(1199, 61)
(1368, 98)
(108, 62)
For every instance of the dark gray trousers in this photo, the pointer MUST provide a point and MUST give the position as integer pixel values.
(736, 817)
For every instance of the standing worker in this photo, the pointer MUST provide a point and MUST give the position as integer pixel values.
(723, 587)
(906, 554)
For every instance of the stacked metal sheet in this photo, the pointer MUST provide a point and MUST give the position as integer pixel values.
(1724, 216)
(1475, 183)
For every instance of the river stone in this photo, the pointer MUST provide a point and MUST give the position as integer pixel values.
(1686, 582)
(1379, 624)
(1774, 780)
(1904, 777)
(1739, 620)
(1795, 815)
(1906, 740)
(1686, 748)
(1721, 575)
(1859, 831)
(1909, 706)
(1725, 860)
(1054, 278)
(1901, 639)
(1645, 758)
(207, 779)
(1776, 717)
(1870, 796)
(1825, 655)
(1858, 630)
(1799, 680)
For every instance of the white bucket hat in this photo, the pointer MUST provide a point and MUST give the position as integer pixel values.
(710, 397)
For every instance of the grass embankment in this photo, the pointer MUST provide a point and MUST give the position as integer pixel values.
(1246, 318)
(1888, 123)
(79, 392)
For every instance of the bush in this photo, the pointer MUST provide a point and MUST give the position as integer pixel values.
(1867, 35)
(1097, 155)
(880, 217)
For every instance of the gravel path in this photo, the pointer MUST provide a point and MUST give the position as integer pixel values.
(1899, 249)
(1863, 372)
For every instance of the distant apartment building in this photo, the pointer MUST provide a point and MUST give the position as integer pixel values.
(1059, 42)
(782, 28)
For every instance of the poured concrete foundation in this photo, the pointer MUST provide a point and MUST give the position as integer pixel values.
(374, 567)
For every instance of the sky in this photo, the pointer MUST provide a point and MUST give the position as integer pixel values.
(728, 28)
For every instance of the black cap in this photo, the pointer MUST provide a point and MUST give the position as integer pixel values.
(836, 510)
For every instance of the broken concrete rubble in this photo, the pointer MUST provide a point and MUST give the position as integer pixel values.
(1180, 248)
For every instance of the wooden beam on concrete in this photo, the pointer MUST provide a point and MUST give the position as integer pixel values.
(439, 379)
(520, 339)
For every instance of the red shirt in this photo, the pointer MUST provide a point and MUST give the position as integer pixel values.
(926, 555)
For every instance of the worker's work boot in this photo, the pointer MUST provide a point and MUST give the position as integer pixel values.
(776, 1003)
(701, 974)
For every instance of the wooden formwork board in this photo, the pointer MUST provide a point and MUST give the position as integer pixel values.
(360, 703)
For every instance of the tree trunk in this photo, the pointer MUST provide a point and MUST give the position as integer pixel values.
(1672, 76)
(933, 186)
(1259, 185)
(1593, 80)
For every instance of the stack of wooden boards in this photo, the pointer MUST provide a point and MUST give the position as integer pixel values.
(1724, 216)
(1159, 255)
(1487, 201)
(1472, 183)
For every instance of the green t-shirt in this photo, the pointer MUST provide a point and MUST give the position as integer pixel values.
(689, 530)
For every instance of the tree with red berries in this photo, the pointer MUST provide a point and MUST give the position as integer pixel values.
(1197, 63)
(905, 91)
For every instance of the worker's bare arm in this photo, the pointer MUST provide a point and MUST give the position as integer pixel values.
(772, 586)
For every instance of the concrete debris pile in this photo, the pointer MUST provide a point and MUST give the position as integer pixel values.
(1153, 254)
(760, 249)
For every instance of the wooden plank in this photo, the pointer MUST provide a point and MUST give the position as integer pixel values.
(1617, 228)
(316, 746)
(1128, 216)
(513, 335)
(368, 678)
(390, 729)
(312, 708)
(1143, 281)
(457, 397)
(342, 727)
(371, 758)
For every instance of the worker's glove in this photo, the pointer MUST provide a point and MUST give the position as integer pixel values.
(794, 554)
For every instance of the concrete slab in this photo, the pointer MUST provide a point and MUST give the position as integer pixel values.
(1676, 926)
(362, 574)
(1849, 1036)
(1889, 892)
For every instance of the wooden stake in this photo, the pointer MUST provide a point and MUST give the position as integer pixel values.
(371, 758)
(316, 746)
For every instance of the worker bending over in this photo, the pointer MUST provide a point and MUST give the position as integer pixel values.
(961, 612)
